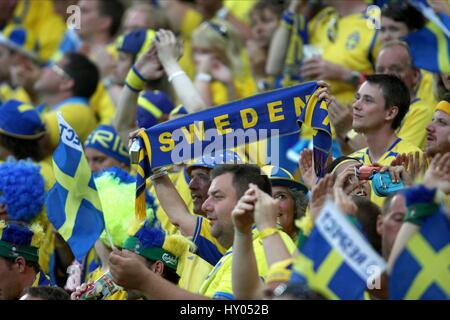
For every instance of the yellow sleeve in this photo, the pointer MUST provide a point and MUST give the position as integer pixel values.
(221, 286)
(413, 129)
(260, 254)
(240, 9)
(425, 89)
(80, 117)
(193, 270)
(102, 105)
(191, 20)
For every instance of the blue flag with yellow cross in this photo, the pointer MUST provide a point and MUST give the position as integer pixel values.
(422, 270)
(336, 259)
(73, 204)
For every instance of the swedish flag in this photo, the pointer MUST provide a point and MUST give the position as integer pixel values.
(73, 205)
(422, 270)
(336, 260)
(430, 46)
(315, 116)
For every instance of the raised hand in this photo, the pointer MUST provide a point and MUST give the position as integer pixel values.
(168, 48)
(243, 213)
(149, 66)
(266, 210)
(221, 72)
(341, 117)
(127, 269)
(438, 173)
(306, 166)
(344, 202)
(319, 194)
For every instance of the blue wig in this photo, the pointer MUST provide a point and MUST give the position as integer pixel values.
(22, 190)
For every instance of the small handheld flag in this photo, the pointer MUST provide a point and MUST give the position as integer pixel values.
(73, 205)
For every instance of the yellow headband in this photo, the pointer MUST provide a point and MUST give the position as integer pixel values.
(443, 106)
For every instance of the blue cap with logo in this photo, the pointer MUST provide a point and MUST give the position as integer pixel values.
(20, 120)
(105, 139)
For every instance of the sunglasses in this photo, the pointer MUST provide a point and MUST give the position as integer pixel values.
(60, 71)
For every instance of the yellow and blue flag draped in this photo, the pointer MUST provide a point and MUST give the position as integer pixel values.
(315, 116)
(73, 205)
(422, 270)
(245, 121)
(430, 46)
(336, 260)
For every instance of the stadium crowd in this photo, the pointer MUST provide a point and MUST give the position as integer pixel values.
(229, 224)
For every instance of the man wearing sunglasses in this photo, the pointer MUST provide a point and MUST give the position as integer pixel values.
(66, 86)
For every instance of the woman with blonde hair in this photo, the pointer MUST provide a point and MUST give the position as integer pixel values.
(221, 64)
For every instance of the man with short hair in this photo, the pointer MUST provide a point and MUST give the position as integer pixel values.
(228, 185)
(438, 130)
(19, 267)
(394, 58)
(381, 103)
(390, 222)
(66, 87)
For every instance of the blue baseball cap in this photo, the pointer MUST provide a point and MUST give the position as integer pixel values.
(152, 105)
(20, 120)
(210, 161)
(105, 139)
(281, 177)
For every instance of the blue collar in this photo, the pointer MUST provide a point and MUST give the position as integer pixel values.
(71, 100)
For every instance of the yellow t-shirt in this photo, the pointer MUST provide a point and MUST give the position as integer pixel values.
(191, 20)
(78, 115)
(41, 18)
(218, 284)
(413, 127)
(399, 146)
(102, 105)
(193, 270)
(240, 9)
(353, 44)
(425, 89)
(9, 93)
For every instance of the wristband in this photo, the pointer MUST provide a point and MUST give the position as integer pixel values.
(175, 74)
(159, 174)
(203, 77)
(268, 232)
(135, 81)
